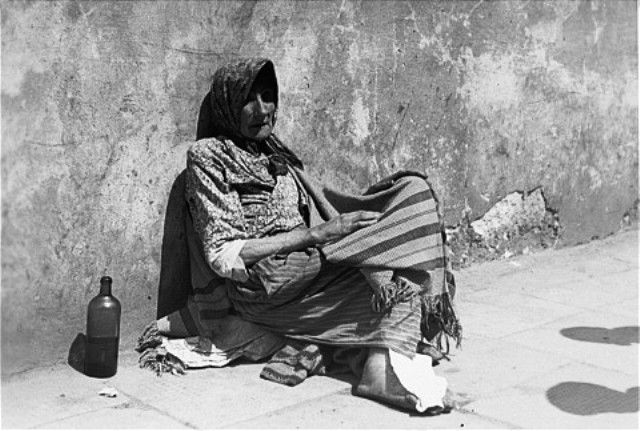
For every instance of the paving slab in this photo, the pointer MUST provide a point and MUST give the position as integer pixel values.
(588, 293)
(52, 393)
(497, 321)
(218, 397)
(622, 246)
(498, 366)
(122, 416)
(628, 306)
(522, 310)
(576, 396)
(342, 410)
(599, 339)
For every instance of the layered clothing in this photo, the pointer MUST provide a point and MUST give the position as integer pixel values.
(325, 295)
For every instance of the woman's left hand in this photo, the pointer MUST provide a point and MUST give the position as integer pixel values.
(342, 225)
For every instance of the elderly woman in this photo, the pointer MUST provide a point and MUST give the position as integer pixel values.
(357, 278)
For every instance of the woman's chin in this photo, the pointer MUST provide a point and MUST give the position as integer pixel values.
(259, 135)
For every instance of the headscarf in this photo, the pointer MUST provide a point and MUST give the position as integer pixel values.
(220, 111)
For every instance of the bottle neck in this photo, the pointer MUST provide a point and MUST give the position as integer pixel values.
(105, 286)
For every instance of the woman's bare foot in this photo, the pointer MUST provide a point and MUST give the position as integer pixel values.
(379, 382)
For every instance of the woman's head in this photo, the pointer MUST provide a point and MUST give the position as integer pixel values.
(244, 99)
(258, 115)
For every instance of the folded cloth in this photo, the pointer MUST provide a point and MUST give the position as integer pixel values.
(417, 377)
(233, 338)
(200, 352)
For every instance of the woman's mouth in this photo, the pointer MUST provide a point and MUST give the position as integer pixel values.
(260, 124)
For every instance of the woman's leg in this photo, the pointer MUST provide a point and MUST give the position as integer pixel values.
(305, 297)
(309, 299)
(379, 382)
(406, 383)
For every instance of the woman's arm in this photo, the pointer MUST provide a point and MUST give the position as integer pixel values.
(298, 239)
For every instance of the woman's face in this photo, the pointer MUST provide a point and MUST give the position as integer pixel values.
(257, 115)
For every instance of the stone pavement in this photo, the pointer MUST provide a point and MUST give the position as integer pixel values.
(550, 341)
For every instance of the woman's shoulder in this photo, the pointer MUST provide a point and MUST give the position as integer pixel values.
(208, 148)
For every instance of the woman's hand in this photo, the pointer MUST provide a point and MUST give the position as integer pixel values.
(298, 239)
(342, 225)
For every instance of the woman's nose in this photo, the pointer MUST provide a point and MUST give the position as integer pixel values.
(264, 108)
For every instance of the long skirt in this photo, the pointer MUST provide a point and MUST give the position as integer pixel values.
(303, 296)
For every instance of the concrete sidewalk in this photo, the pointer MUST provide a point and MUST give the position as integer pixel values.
(550, 341)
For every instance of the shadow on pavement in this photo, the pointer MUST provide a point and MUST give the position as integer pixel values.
(622, 336)
(77, 353)
(588, 399)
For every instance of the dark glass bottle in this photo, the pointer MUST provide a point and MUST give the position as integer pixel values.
(103, 333)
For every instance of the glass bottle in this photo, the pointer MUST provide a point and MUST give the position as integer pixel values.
(103, 333)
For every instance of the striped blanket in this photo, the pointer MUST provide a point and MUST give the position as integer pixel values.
(324, 295)
(408, 243)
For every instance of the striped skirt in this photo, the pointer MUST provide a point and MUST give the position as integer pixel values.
(303, 296)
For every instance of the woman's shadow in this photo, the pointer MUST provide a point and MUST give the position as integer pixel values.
(174, 285)
(175, 273)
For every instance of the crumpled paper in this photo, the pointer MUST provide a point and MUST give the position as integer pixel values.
(108, 392)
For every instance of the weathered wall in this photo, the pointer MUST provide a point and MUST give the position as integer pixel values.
(100, 100)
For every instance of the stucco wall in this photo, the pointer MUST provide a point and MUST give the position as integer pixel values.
(100, 101)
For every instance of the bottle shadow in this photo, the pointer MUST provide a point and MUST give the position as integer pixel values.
(622, 336)
(587, 399)
(77, 352)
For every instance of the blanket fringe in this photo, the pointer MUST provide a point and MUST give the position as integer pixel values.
(149, 338)
(160, 361)
(386, 296)
(155, 357)
(439, 322)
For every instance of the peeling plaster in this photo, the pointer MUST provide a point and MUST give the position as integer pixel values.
(359, 122)
(514, 211)
(491, 82)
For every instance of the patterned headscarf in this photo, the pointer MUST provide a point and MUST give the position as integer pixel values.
(229, 91)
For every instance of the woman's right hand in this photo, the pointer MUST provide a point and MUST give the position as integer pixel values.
(342, 225)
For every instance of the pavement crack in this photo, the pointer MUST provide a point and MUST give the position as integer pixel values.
(500, 422)
(139, 403)
(64, 418)
(233, 425)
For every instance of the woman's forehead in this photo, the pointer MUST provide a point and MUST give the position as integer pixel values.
(264, 81)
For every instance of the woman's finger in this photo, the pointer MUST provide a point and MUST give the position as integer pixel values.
(367, 215)
(365, 223)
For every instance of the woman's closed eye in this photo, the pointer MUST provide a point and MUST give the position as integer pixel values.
(264, 96)
(267, 96)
